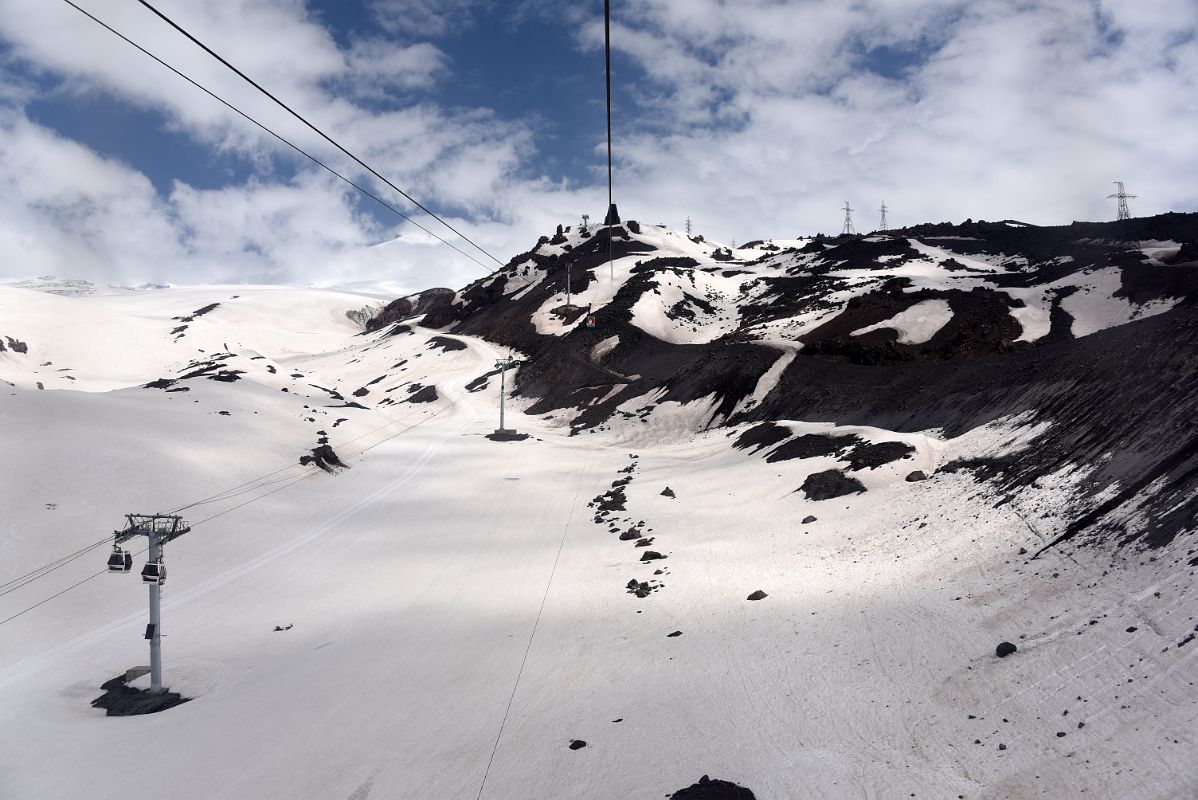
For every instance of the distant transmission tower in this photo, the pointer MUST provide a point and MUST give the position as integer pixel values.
(848, 220)
(688, 226)
(882, 227)
(1122, 196)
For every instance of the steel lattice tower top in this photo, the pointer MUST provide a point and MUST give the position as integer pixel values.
(1122, 196)
(848, 220)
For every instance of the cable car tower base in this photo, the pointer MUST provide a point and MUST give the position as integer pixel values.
(158, 530)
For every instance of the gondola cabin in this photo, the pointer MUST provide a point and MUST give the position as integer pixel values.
(154, 572)
(120, 561)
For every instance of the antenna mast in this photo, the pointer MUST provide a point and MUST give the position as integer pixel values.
(849, 230)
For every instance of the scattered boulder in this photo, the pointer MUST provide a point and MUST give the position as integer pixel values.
(830, 484)
(708, 789)
(917, 475)
(446, 344)
(577, 744)
(870, 455)
(807, 520)
(651, 555)
(673, 635)
(667, 492)
(1004, 649)
(629, 535)
(324, 457)
(757, 595)
(426, 394)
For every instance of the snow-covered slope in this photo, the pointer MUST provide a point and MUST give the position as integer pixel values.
(906, 498)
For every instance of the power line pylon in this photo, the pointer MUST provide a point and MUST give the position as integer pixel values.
(848, 220)
(158, 529)
(688, 226)
(882, 226)
(1122, 196)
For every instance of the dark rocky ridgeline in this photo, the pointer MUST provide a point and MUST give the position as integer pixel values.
(1121, 400)
(981, 324)
(16, 345)
(410, 306)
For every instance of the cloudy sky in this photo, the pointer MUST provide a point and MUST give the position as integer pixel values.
(755, 118)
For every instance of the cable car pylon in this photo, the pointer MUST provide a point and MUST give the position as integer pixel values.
(158, 529)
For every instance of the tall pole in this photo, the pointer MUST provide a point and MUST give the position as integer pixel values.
(155, 632)
(502, 391)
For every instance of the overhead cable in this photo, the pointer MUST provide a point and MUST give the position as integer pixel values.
(277, 136)
(317, 130)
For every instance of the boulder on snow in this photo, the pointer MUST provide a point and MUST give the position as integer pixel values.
(651, 555)
(830, 484)
(917, 475)
(629, 535)
(667, 492)
(708, 789)
(807, 520)
(1004, 649)
(577, 744)
(757, 595)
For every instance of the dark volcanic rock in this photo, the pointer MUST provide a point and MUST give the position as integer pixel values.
(807, 520)
(763, 435)
(413, 305)
(829, 484)
(426, 394)
(812, 445)
(917, 475)
(324, 457)
(673, 635)
(708, 789)
(577, 744)
(446, 344)
(1004, 649)
(651, 555)
(630, 535)
(875, 454)
(17, 345)
(757, 595)
(667, 492)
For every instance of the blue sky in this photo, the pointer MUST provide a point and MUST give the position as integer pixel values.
(755, 118)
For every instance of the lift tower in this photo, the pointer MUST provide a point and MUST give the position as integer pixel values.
(503, 365)
(158, 530)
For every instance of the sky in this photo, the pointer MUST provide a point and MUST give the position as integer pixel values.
(755, 119)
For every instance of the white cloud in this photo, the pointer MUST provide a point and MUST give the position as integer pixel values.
(755, 118)
(427, 17)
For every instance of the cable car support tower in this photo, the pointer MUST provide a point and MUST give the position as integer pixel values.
(158, 530)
